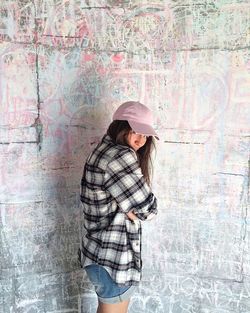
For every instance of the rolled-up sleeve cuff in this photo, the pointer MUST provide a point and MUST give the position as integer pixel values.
(146, 215)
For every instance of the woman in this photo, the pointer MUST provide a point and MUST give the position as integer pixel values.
(116, 197)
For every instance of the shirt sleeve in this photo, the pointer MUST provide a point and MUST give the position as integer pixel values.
(126, 184)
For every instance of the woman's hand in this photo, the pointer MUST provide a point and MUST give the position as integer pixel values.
(132, 216)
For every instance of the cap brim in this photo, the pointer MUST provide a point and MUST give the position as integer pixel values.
(143, 129)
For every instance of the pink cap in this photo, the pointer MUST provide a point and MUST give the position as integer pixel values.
(139, 117)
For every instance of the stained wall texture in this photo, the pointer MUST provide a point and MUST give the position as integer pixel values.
(64, 68)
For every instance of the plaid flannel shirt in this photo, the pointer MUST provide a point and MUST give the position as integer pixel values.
(112, 185)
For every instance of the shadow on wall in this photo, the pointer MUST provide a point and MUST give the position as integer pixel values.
(87, 125)
(90, 123)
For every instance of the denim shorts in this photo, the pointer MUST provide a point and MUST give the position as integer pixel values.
(106, 288)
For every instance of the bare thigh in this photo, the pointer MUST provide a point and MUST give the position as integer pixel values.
(121, 307)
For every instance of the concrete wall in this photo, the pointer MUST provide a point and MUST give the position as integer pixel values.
(64, 67)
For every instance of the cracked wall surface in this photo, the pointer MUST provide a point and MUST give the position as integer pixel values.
(65, 66)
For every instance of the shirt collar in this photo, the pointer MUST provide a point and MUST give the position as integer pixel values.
(107, 139)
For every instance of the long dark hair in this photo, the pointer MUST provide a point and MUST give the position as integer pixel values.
(118, 131)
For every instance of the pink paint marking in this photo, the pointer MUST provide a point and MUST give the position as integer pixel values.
(117, 58)
(31, 58)
(87, 57)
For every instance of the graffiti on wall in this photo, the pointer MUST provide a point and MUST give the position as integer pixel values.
(65, 66)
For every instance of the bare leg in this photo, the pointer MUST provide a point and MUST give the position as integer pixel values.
(121, 307)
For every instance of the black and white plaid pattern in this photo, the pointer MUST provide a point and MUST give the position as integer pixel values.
(112, 185)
